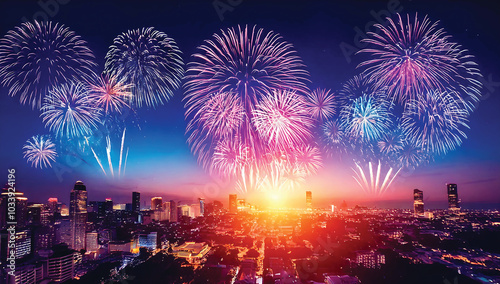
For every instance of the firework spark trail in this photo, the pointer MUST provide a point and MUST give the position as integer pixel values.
(386, 184)
(150, 61)
(125, 165)
(40, 151)
(96, 157)
(373, 185)
(121, 153)
(38, 56)
(108, 153)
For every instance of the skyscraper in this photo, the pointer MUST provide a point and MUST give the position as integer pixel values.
(233, 203)
(173, 211)
(202, 206)
(156, 203)
(136, 201)
(418, 202)
(21, 205)
(78, 215)
(108, 205)
(309, 200)
(453, 203)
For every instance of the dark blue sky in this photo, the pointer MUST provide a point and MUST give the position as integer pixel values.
(160, 162)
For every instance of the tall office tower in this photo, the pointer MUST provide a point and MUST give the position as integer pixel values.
(202, 206)
(78, 215)
(309, 200)
(91, 242)
(21, 216)
(52, 204)
(108, 205)
(418, 202)
(453, 202)
(233, 203)
(136, 201)
(173, 211)
(156, 203)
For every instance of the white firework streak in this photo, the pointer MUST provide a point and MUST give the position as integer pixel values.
(121, 153)
(96, 157)
(126, 157)
(108, 152)
(373, 184)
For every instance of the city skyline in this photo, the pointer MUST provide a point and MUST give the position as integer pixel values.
(160, 161)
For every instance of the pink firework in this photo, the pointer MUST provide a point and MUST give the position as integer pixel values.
(229, 158)
(221, 116)
(308, 160)
(229, 81)
(282, 120)
(411, 57)
(111, 94)
(321, 104)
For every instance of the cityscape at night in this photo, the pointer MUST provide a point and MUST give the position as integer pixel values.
(249, 142)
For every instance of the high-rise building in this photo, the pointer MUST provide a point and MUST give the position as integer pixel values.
(156, 203)
(91, 242)
(108, 205)
(78, 215)
(173, 211)
(309, 200)
(202, 205)
(61, 264)
(136, 201)
(453, 202)
(418, 202)
(233, 203)
(21, 208)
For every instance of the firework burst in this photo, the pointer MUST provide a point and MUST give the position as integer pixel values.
(150, 61)
(111, 94)
(40, 151)
(367, 118)
(239, 74)
(436, 121)
(308, 160)
(37, 56)
(412, 57)
(321, 104)
(69, 112)
(333, 137)
(282, 120)
(229, 159)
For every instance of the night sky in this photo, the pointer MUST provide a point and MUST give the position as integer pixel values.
(160, 161)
